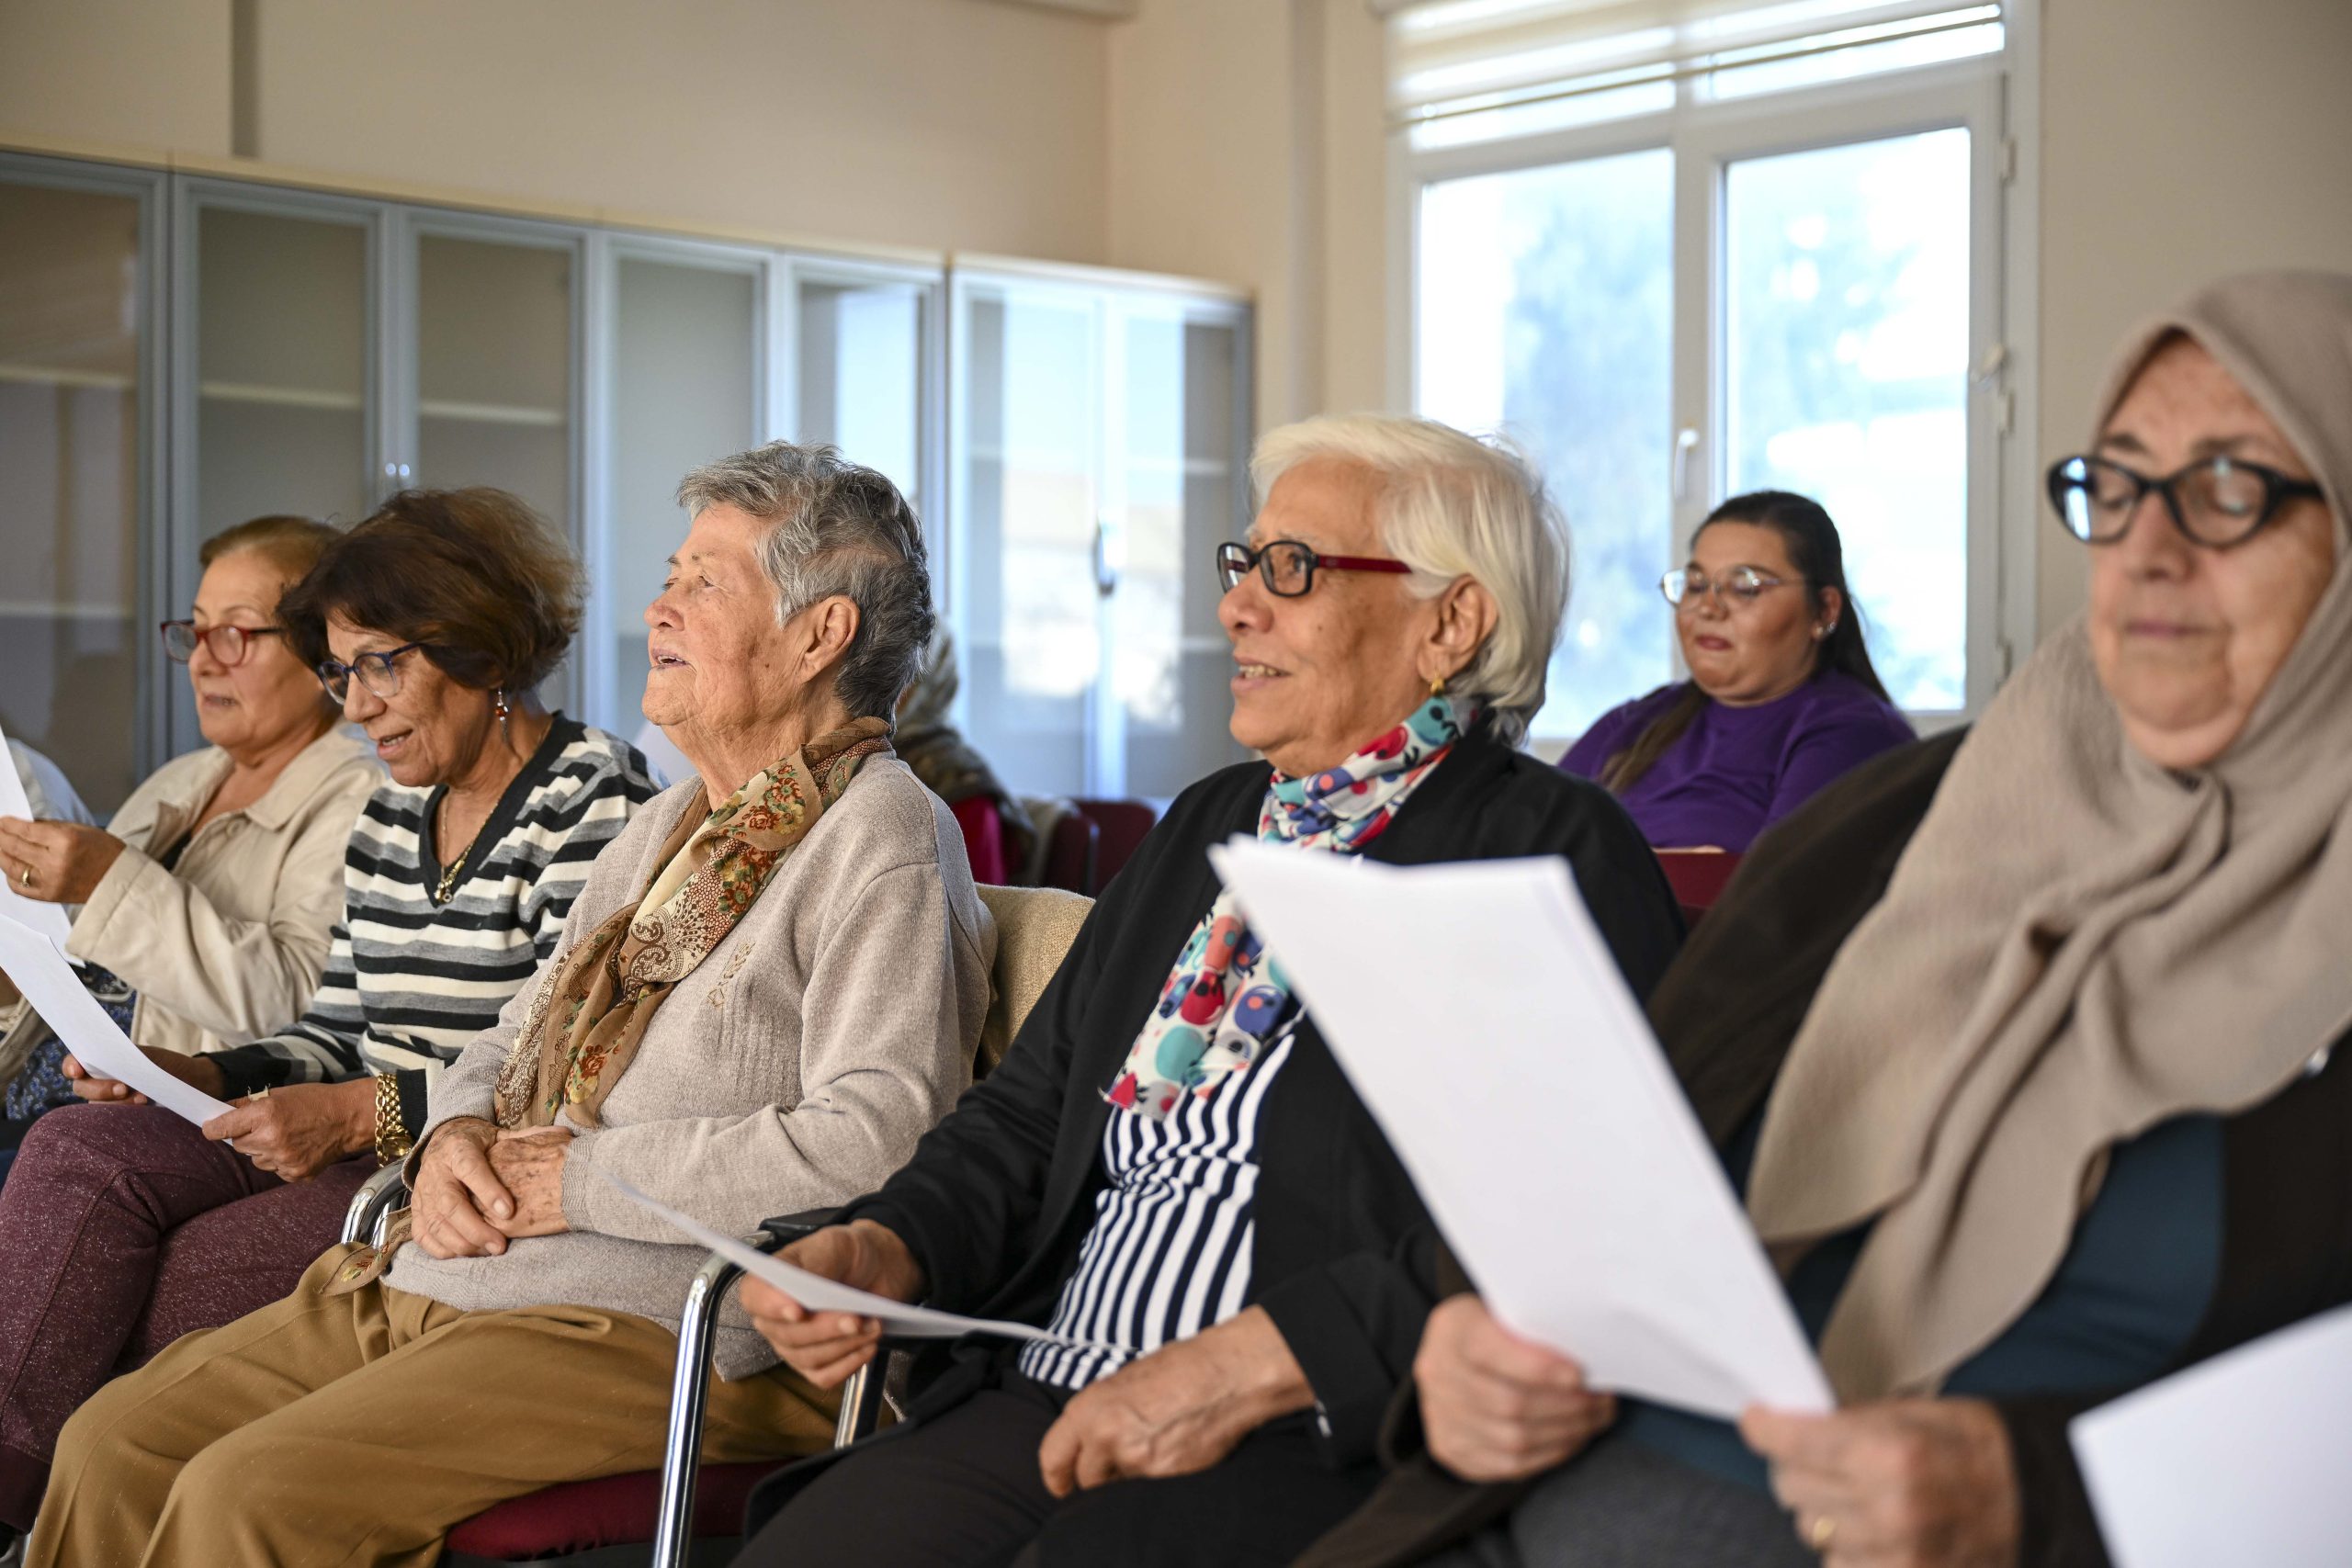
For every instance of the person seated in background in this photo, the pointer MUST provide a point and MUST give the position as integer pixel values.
(1782, 697)
(122, 1225)
(2071, 1107)
(771, 986)
(1169, 1159)
(48, 791)
(998, 836)
(204, 907)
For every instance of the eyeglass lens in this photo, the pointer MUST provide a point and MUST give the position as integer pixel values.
(2218, 501)
(229, 644)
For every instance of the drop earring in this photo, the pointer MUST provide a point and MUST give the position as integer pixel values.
(501, 712)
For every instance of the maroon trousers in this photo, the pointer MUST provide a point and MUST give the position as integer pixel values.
(122, 1228)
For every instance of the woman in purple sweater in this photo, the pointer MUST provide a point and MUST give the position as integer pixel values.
(1782, 697)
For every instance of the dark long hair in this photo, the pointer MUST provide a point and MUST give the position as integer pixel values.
(1819, 556)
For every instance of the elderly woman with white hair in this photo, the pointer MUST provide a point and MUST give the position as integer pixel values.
(1170, 1159)
(768, 988)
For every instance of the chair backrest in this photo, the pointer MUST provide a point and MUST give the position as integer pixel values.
(1072, 847)
(1125, 824)
(1698, 878)
(1034, 927)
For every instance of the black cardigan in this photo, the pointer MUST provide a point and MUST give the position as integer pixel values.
(1727, 1012)
(998, 1198)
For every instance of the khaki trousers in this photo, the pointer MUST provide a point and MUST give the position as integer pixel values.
(360, 1428)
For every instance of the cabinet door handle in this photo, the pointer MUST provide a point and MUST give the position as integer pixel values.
(1106, 573)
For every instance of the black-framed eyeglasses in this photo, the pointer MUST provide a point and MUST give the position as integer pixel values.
(380, 672)
(2216, 503)
(229, 644)
(1288, 567)
(1741, 586)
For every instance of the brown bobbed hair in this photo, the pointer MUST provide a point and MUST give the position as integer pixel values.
(475, 575)
(291, 544)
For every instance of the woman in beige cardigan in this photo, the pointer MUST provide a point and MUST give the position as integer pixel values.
(208, 900)
(767, 991)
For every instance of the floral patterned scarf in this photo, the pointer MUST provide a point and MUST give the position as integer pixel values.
(1226, 995)
(591, 1006)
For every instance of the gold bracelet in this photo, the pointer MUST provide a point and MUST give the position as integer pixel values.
(392, 1132)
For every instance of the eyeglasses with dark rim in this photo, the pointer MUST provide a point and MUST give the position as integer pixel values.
(1744, 584)
(229, 644)
(380, 672)
(1288, 567)
(2217, 502)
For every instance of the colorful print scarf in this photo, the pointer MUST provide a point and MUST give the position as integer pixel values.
(591, 1008)
(1226, 996)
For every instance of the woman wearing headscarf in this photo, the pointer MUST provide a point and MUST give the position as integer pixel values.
(769, 987)
(2065, 1111)
(1169, 1170)
(998, 834)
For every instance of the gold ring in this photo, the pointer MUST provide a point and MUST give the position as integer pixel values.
(1824, 1531)
(25, 876)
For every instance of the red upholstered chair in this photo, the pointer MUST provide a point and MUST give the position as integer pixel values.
(1073, 848)
(1124, 825)
(1698, 878)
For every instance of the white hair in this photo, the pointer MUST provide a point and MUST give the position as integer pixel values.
(1448, 506)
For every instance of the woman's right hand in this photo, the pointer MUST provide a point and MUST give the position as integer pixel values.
(1494, 1408)
(198, 1072)
(827, 1347)
(458, 1200)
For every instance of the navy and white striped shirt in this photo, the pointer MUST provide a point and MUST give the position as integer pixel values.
(409, 983)
(1169, 1252)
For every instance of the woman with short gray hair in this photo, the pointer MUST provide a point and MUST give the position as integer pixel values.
(1170, 1160)
(769, 987)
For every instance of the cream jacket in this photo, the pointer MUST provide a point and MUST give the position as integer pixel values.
(230, 945)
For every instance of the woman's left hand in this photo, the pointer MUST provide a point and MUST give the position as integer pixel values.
(65, 859)
(530, 1163)
(1904, 1483)
(1178, 1410)
(299, 1129)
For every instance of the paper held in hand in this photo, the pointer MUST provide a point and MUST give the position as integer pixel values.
(817, 1293)
(48, 919)
(1477, 1012)
(2237, 1459)
(97, 1042)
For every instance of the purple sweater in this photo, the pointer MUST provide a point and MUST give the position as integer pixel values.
(1738, 771)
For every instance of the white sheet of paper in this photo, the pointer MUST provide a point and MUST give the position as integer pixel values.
(49, 982)
(50, 919)
(1477, 1012)
(819, 1294)
(2237, 1459)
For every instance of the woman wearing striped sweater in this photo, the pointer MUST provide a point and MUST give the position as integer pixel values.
(432, 623)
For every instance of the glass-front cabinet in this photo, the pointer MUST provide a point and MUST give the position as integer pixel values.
(1099, 437)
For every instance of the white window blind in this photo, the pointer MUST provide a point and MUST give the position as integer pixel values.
(1456, 60)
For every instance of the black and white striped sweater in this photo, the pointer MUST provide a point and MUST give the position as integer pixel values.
(409, 982)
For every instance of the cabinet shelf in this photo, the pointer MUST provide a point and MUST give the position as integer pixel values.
(493, 414)
(56, 376)
(279, 397)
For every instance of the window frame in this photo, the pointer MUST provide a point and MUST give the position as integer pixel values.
(1707, 136)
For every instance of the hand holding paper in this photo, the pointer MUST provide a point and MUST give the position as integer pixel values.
(47, 982)
(1521, 1086)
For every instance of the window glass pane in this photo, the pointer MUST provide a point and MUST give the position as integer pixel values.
(685, 392)
(69, 509)
(1846, 365)
(861, 375)
(1031, 607)
(1546, 310)
(281, 368)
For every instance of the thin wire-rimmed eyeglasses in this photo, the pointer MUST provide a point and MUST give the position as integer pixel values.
(2217, 502)
(229, 644)
(380, 672)
(1288, 567)
(1743, 584)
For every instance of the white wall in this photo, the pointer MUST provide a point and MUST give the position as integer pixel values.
(941, 123)
(2181, 140)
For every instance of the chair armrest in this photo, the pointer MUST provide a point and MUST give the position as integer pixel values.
(375, 1201)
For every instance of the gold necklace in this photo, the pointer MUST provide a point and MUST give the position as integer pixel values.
(456, 868)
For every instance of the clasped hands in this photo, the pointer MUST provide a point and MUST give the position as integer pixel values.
(1181, 1409)
(478, 1188)
(1896, 1484)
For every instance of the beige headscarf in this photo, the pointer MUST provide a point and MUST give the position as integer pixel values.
(2079, 944)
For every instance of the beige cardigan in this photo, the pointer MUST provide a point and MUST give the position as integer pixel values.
(230, 945)
(793, 1069)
